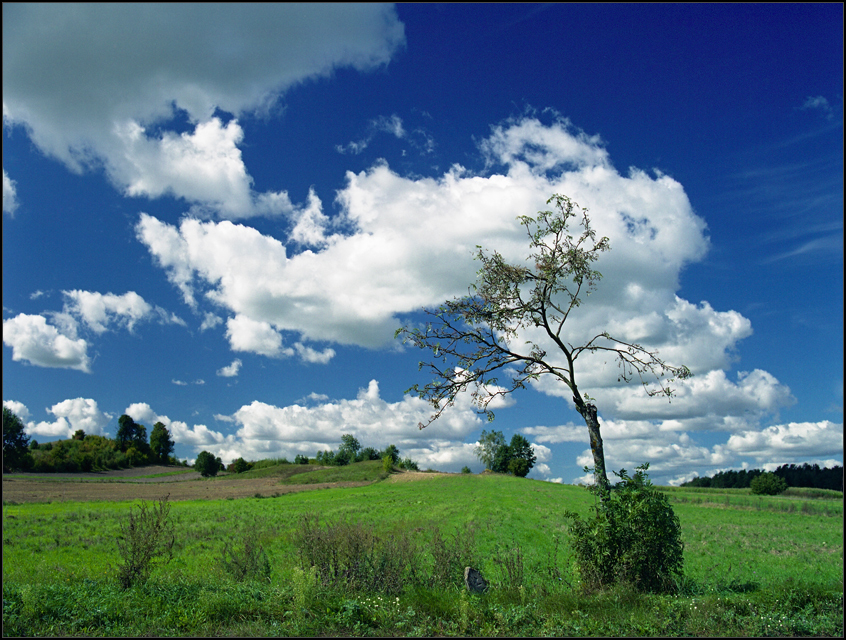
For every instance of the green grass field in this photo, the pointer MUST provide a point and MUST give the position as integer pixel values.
(752, 566)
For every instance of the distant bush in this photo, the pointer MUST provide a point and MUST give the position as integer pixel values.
(408, 464)
(207, 464)
(387, 464)
(633, 537)
(768, 484)
(300, 459)
(86, 452)
(465, 469)
(239, 465)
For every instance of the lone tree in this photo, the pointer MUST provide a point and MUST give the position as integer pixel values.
(207, 464)
(475, 336)
(161, 442)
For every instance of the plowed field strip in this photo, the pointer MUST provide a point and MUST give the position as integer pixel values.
(65, 490)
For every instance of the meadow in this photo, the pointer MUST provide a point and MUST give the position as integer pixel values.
(753, 566)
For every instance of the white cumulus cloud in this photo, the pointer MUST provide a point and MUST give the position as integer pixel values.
(10, 201)
(35, 341)
(90, 83)
(231, 370)
(98, 310)
(71, 415)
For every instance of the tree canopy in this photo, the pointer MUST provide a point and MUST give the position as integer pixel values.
(161, 442)
(15, 442)
(516, 458)
(207, 464)
(475, 336)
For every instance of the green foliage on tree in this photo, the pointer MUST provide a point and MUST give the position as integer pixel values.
(388, 464)
(161, 443)
(16, 454)
(207, 464)
(795, 475)
(349, 443)
(79, 434)
(473, 337)
(516, 458)
(301, 459)
(92, 453)
(633, 536)
(768, 484)
(489, 444)
(408, 464)
(239, 465)
(126, 431)
(521, 456)
(392, 452)
(367, 453)
(466, 469)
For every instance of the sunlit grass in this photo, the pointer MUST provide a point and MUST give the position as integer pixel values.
(739, 561)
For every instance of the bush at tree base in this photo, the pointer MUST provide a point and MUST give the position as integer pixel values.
(633, 536)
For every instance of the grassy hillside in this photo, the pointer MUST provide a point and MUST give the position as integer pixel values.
(743, 565)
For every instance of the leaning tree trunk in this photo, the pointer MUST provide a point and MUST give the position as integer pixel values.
(588, 412)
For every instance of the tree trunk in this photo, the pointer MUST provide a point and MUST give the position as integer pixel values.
(588, 412)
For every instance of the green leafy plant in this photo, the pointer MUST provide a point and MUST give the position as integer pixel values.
(450, 554)
(352, 556)
(768, 484)
(633, 537)
(248, 561)
(146, 539)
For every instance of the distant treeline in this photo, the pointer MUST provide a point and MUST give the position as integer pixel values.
(805, 475)
(84, 452)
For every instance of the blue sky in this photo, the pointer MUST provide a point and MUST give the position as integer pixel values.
(217, 215)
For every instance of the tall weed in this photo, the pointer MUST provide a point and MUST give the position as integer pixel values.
(146, 539)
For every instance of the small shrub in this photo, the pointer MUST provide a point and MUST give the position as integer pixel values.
(768, 484)
(633, 537)
(146, 538)
(465, 469)
(239, 465)
(510, 562)
(387, 464)
(450, 555)
(247, 562)
(351, 556)
(301, 459)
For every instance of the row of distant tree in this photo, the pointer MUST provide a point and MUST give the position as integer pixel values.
(85, 452)
(805, 475)
(348, 452)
